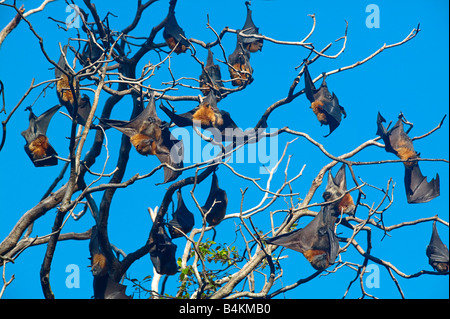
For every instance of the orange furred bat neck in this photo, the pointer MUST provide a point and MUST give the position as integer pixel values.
(63, 88)
(99, 260)
(317, 109)
(346, 204)
(236, 76)
(181, 48)
(39, 147)
(206, 116)
(310, 254)
(143, 144)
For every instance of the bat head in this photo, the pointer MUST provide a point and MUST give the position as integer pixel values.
(336, 188)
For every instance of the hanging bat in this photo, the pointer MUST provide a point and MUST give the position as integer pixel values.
(241, 71)
(397, 141)
(91, 53)
(251, 44)
(37, 145)
(150, 136)
(324, 104)
(216, 204)
(211, 76)
(209, 117)
(317, 241)
(104, 286)
(162, 251)
(336, 187)
(182, 219)
(437, 252)
(173, 34)
(64, 93)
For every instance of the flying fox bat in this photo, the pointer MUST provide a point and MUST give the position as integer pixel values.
(211, 76)
(65, 94)
(162, 251)
(150, 136)
(104, 286)
(216, 204)
(317, 241)
(397, 141)
(91, 53)
(173, 34)
(182, 219)
(241, 71)
(251, 44)
(324, 104)
(208, 116)
(336, 187)
(37, 145)
(437, 252)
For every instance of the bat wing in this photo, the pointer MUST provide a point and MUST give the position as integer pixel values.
(48, 160)
(170, 151)
(114, 290)
(122, 126)
(62, 63)
(181, 120)
(437, 251)
(162, 252)
(38, 125)
(418, 189)
(398, 139)
(333, 112)
(182, 219)
(310, 89)
(297, 240)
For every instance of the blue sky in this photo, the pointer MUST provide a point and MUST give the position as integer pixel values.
(412, 78)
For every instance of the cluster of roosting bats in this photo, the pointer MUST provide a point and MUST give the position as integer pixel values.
(149, 135)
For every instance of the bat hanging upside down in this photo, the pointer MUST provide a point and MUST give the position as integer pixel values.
(437, 252)
(397, 141)
(251, 44)
(150, 136)
(173, 34)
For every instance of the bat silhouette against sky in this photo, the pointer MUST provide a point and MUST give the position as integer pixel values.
(216, 203)
(91, 53)
(150, 136)
(397, 141)
(37, 145)
(162, 251)
(437, 252)
(182, 219)
(211, 76)
(251, 44)
(324, 104)
(173, 34)
(336, 187)
(317, 241)
(104, 286)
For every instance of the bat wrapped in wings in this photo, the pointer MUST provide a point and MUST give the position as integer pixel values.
(324, 104)
(150, 136)
(251, 44)
(241, 72)
(211, 76)
(437, 252)
(162, 251)
(104, 286)
(37, 146)
(71, 97)
(173, 34)
(317, 241)
(397, 141)
(182, 219)
(216, 203)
